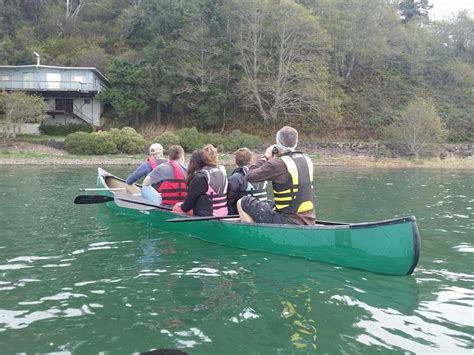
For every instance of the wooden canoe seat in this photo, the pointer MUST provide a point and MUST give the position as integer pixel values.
(114, 183)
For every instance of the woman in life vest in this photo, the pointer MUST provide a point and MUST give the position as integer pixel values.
(238, 184)
(207, 185)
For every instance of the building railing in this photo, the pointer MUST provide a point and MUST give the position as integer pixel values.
(50, 86)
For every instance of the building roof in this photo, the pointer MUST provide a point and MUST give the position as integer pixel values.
(102, 76)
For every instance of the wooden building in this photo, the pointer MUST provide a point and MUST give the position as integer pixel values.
(69, 91)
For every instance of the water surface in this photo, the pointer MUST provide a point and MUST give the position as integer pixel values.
(82, 279)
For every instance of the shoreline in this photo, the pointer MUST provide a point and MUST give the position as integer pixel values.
(335, 161)
(24, 153)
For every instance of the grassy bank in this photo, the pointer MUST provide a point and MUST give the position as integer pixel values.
(29, 153)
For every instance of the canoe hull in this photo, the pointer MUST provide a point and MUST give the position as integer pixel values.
(389, 247)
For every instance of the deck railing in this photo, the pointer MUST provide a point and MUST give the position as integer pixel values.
(50, 86)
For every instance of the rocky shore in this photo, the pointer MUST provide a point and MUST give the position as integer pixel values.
(451, 156)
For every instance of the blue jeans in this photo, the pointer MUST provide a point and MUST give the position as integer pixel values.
(151, 194)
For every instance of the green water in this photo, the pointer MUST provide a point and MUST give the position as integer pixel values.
(77, 278)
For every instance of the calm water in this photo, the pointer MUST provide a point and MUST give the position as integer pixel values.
(80, 279)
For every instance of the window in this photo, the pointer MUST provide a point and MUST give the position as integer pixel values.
(5, 78)
(54, 80)
(79, 78)
(65, 105)
(28, 80)
(87, 101)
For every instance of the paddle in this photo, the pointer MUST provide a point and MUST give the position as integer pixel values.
(204, 218)
(104, 189)
(89, 199)
(121, 199)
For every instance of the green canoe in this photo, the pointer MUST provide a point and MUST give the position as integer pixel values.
(389, 247)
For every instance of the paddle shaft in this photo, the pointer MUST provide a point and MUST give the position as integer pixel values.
(203, 218)
(104, 189)
(92, 199)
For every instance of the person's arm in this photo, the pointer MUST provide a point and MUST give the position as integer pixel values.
(154, 177)
(267, 168)
(142, 170)
(196, 188)
(233, 191)
(273, 170)
(147, 181)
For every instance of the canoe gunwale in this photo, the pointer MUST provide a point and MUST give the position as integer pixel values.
(322, 224)
(331, 225)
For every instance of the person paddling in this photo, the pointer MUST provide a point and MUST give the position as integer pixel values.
(154, 159)
(238, 184)
(207, 185)
(166, 184)
(291, 173)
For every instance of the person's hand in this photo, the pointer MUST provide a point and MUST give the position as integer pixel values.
(269, 152)
(177, 209)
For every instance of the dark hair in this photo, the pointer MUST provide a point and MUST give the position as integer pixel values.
(196, 163)
(175, 152)
(243, 156)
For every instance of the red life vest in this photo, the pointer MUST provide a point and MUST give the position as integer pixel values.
(173, 190)
(155, 162)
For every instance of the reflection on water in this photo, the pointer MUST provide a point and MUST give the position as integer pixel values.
(81, 279)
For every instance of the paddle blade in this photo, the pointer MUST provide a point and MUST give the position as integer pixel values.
(90, 199)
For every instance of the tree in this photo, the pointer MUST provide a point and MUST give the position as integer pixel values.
(73, 8)
(282, 52)
(414, 10)
(162, 29)
(360, 31)
(21, 108)
(417, 127)
(203, 64)
(126, 94)
(458, 34)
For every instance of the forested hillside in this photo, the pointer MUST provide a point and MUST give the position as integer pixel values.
(334, 68)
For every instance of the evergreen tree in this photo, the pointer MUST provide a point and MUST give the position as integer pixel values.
(414, 10)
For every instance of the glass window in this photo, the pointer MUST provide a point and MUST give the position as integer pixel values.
(79, 78)
(54, 80)
(28, 80)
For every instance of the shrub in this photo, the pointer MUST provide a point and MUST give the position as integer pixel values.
(127, 140)
(167, 139)
(19, 108)
(79, 143)
(64, 129)
(237, 139)
(190, 138)
(103, 143)
(215, 139)
(418, 127)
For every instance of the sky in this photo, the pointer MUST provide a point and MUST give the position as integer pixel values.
(443, 8)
